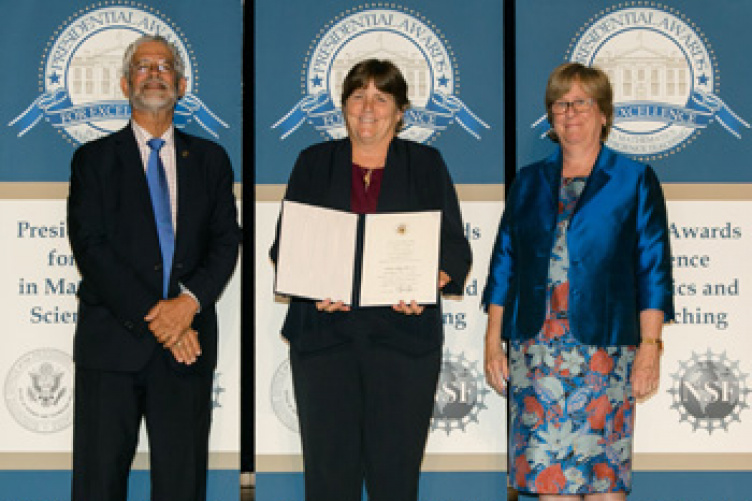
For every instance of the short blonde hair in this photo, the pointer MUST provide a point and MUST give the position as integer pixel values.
(595, 83)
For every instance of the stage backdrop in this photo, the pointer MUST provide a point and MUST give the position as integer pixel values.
(451, 54)
(681, 84)
(681, 78)
(63, 91)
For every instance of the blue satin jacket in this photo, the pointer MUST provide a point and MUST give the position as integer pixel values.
(618, 242)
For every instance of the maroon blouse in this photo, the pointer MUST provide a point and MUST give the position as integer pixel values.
(365, 188)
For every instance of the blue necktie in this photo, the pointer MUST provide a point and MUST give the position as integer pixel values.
(160, 200)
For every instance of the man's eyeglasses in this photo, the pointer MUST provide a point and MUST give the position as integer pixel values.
(144, 67)
(578, 105)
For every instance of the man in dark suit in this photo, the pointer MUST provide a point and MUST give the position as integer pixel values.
(153, 227)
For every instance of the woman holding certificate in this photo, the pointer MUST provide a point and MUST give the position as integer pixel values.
(365, 377)
(579, 289)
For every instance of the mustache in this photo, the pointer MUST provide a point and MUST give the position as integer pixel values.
(152, 81)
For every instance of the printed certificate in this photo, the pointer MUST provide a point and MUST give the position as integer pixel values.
(401, 258)
(317, 250)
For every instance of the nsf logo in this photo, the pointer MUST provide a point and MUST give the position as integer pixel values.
(406, 38)
(664, 74)
(460, 395)
(81, 69)
(709, 391)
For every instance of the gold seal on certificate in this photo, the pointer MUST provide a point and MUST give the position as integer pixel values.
(318, 248)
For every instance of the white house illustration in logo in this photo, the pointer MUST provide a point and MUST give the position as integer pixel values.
(81, 70)
(664, 76)
(412, 43)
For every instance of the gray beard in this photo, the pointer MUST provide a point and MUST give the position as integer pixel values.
(152, 104)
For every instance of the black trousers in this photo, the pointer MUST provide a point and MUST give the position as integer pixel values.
(364, 414)
(109, 407)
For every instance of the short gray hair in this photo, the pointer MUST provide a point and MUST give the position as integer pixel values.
(177, 61)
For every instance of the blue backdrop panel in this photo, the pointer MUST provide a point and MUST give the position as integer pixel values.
(680, 73)
(63, 90)
(686, 486)
(46, 42)
(488, 486)
(434, 486)
(55, 485)
(451, 52)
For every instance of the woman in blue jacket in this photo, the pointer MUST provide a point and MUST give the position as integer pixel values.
(579, 288)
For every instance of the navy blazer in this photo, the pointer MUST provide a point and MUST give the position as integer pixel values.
(415, 179)
(114, 240)
(618, 243)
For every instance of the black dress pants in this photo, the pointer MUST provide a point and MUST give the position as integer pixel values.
(109, 407)
(364, 413)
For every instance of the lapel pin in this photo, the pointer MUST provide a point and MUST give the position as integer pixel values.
(184, 153)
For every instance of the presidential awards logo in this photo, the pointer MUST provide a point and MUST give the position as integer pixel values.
(709, 391)
(664, 75)
(39, 390)
(80, 72)
(460, 395)
(398, 34)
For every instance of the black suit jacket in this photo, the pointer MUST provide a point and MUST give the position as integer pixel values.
(114, 240)
(415, 179)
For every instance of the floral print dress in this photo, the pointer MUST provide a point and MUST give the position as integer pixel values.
(571, 405)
